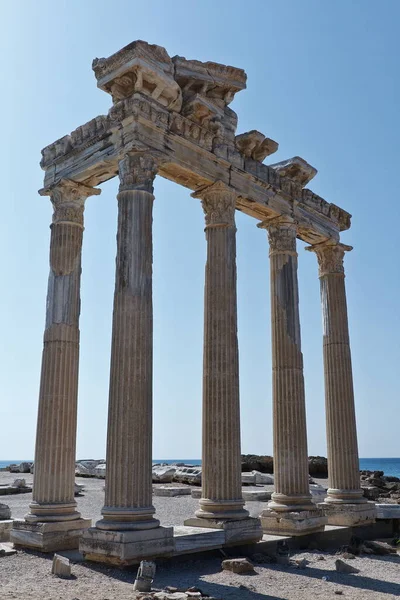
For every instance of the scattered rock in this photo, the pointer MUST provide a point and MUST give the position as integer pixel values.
(348, 555)
(7, 549)
(5, 512)
(262, 478)
(78, 489)
(301, 563)
(25, 467)
(238, 565)
(338, 592)
(342, 567)
(61, 566)
(145, 576)
(19, 483)
(189, 475)
(163, 473)
(320, 557)
(379, 548)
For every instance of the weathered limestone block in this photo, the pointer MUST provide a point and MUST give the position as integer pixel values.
(238, 565)
(163, 473)
(5, 512)
(139, 67)
(170, 491)
(254, 144)
(61, 566)
(5, 529)
(295, 169)
(189, 475)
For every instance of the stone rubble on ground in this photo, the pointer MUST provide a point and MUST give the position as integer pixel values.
(238, 565)
(5, 512)
(61, 566)
(7, 549)
(342, 567)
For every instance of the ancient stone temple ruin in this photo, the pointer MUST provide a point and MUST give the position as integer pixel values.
(171, 117)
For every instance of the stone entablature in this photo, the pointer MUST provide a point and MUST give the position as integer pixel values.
(194, 140)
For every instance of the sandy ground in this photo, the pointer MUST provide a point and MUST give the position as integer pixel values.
(27, 575)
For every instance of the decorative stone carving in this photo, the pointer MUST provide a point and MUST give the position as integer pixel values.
(254, 144)
(330, 257)
(139, 67)
(68, 199)
(209, 79)
(219, 203)
(281, 235)
(296, 169)
(137, 172)
(192, 131)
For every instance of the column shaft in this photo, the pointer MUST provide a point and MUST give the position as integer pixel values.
(54, 478)
(128, 499)
(221, 462)
(343, 463)
(291, 510)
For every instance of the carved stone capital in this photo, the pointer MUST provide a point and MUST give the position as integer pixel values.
(219, 203)
(282, 232)
(68, 199)
(137, 171)
(330, 257)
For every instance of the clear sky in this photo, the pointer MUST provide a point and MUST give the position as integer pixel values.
(323, 81)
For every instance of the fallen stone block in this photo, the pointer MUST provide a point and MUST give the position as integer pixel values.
(5, 512)
(262, 478)
(379, 548)
(256, 495)
(19, 483)
(342, 567)
(25, 467)
(238, 565)
(171, 491)
(163, 473)
(189, 475)
(196, 493)
(7, 549)
(61, 566)
(78, 489)
(145, 576)
(248, 478)
(5, 529)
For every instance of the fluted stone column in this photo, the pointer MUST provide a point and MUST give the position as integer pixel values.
(221, 457)
(345, 503)
(128, 510)
(290, 510)
(54, 478)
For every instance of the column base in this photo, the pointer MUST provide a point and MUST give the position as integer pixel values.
(349, 515)
(293, 523)
(124, 548)
(49, 536)
(245, 530)
(221, 510)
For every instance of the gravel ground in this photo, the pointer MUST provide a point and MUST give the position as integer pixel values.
(27, 575)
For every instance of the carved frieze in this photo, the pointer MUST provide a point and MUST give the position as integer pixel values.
(219, 203)
(192, 132)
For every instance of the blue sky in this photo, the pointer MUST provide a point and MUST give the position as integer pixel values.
(323, 81)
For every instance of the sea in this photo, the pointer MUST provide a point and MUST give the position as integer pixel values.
(390, 466)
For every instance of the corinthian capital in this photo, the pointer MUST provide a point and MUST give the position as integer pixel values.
(330, 256)
(219, 203)
(68, 199)
(137, 171)
(282, 232)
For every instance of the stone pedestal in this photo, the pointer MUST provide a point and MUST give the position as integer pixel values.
(345, 503)
(124, 548)
(49, 537)
(291, 511)
(128, 489)
(247, 530)
(221, 462)
(54, 479)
